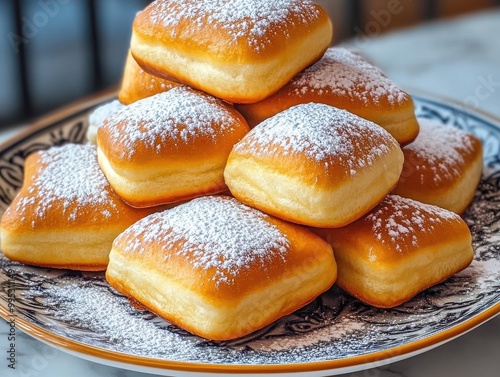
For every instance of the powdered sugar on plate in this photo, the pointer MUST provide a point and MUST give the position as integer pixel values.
(71, 175)
(320, 132)
(215, 232)
(239, 18)
(180, 114)
(405, 220)
(347, 75)
(125, 329)
(111, 316)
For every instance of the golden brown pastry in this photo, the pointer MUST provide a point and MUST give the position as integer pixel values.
(137, 84)
(399, 249)
(169, 147)
(442, 166)
(345, 80)
(66, 214)
(315, 165)
(218, 268)
(241, 51)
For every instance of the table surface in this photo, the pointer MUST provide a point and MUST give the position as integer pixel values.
(458, 59)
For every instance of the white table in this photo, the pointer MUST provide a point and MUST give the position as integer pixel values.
(458, 59)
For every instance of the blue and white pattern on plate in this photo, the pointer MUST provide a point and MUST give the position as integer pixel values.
(81, 307)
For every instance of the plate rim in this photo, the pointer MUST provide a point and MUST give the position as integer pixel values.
(339, 365)
(355, 363)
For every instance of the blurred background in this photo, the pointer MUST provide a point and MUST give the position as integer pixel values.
(54, 52)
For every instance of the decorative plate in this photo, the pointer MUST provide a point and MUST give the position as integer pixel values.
(80, 313)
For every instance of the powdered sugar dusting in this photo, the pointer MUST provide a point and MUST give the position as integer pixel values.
(180, 114)
(347, 74)
(405, 220)
(331, 331)
(319, 132)
(70, 175)
(215, 232)
(441, 148)
(239, 18)
(154, 84)
(99, 115)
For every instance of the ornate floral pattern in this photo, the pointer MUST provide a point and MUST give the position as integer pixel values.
(81, 307)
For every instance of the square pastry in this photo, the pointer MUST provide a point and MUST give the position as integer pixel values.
(399, 249)
(66, 214)
(241, 51)
(218, 268)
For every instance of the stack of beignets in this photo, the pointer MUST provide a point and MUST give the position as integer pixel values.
(324, 152)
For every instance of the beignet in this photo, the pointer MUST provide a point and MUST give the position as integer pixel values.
(399, 249)
(241, 50)
(170, 147)
(218, 268)
(442, 166)
(315, 165)
(66, 215)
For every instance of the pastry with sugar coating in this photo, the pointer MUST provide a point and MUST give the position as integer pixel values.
(98, 116)
(241, 51)
(137, 84)
(442, 166)
(170, 147)
(315, 165)
(218, 268)
(344, 79)
(398, 250)
(66, 215)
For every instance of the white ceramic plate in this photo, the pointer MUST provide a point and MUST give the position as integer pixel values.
(80, 313)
